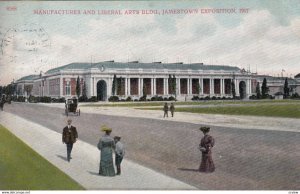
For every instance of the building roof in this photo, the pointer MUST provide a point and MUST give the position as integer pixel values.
(137, 65)
(297, 76)
(28, 78)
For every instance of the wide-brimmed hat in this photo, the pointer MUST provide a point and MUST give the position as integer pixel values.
(105, 128)
(204, 129)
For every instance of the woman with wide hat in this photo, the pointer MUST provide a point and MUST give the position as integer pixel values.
(205, 146)
(106, 145)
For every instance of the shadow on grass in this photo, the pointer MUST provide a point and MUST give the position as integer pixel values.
(188, 169)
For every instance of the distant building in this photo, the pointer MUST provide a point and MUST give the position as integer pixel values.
(134, 78)
(276, 84)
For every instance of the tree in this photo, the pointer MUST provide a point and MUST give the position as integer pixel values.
(257, 90)
(144, 89)
(233, 89)
(264, 89)
(84, 91)
(174, 85)
(286, 89)
(114, 85)
(78, 87)
(28, 89)
(197, 88)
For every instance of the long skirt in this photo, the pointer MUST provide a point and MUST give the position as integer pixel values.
(106, 164)
(207, 164)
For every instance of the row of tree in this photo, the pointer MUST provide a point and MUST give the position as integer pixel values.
(263, 91)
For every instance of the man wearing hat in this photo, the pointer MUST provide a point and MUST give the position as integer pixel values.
(205, 146)
(106, 145)
(69, 137)
(120, 152)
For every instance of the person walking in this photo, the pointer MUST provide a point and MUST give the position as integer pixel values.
(2, 102)
(120, 152)
(166, 109)
(69, 137)
(205, 146)
(106, 145)
(172, 109)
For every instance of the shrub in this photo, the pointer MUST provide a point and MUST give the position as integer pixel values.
(165, 99)
(207, 98)
(93, 99)
(113, 99)
(143, 98)
(154, 98)
(62, 100)
(82, 99)
(253, 97)
(214, 98)
(21, 99)
(295, 96)
(128, 98)
(171, 98)
(195, 98)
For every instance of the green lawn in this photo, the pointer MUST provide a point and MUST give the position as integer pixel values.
(21, 168)
(211, 102)
(271, 110)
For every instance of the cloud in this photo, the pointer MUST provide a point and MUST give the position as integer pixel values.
(259, 40)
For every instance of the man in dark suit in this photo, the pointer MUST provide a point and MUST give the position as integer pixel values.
(69, 137)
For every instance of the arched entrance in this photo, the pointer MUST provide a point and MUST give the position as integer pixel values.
(101, 90)
(242, 89)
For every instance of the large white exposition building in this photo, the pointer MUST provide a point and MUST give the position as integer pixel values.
(134, 79)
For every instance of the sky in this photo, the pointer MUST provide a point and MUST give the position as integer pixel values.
(264, 39)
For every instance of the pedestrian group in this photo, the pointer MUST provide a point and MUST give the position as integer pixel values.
(109, 146)
(166, 109)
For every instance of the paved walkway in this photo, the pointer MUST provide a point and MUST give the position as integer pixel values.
(84, 166)
(246, 122)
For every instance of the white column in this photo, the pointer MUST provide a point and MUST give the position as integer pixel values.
(189, 86)
(237, 91)
(139, 86)
(178, 86)
(61, 86)
(142, 85)
(212, 86)
(201, 85)
(250, 87)
(166, 86)
(128, 85)
(94, 87)
(152, 86)
(222, 87)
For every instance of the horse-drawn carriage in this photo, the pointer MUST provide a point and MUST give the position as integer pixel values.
(72, 106)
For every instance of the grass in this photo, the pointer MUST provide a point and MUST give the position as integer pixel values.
(215, 102)
(271, 110)
(21, 168)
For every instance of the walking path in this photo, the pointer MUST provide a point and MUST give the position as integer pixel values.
(84, 166)
(246, 122)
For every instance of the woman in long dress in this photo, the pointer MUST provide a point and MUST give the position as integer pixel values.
(106, 145)
(206, 144)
